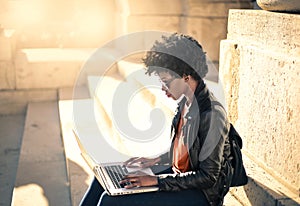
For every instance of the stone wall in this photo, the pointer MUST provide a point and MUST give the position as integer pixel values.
(44, 40)
(54, 23)
(204, 20)
(259, 65)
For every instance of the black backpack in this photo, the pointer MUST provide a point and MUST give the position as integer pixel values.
(239, 176)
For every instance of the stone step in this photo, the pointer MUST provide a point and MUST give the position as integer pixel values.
(263, 188)
(46, 68)
(41, 176)
(38, 68)
(79, 174)
(11, 131)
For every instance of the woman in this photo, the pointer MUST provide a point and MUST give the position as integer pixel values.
(199, 172)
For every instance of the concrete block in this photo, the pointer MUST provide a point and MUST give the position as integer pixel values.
(15, 101)
(151, 7)
(42, 163)
(275, 31)
(280, 5)
(268, 99)
(142, 23)
(259, 64)
(47, 68)
(269, 94)
(206, 9)
(209, 32)
(7, 75)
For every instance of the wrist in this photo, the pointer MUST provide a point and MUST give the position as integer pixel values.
(157, 159)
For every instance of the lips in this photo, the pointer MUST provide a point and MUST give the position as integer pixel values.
(168, 95)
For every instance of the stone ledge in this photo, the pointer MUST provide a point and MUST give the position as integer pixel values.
(79, 174)
(15, 101)
(58, 68)
(47, 68)
(265, 29)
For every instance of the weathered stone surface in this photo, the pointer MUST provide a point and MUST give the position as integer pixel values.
(265, 88)
(229, 75)
(267, 107)
(7, 44)
(273, 31)
(209, 32)
(280, 5)
(262, 188)
(158, 23)
(7, 75)
(150, 7)
(214, 9)
(15, 102)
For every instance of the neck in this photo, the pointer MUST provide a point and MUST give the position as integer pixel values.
(192, 85)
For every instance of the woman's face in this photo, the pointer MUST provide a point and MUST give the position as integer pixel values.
(172, 86)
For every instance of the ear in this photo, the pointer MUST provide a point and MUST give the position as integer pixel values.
(186, 77)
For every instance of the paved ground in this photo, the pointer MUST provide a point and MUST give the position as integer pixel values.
(11, 131)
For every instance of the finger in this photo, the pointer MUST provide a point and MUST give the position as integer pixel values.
(132, 175)
(136, 160)
(130, 181)
(130, 160)
(132, 185)
(136, 163)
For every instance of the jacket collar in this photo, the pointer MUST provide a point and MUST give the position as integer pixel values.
(201, 102)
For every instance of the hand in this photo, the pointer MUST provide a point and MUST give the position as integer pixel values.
(139, 179)
(141, 162)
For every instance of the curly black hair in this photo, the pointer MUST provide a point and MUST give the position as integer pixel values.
(177, 53)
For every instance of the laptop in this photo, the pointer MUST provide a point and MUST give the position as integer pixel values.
(110, 174)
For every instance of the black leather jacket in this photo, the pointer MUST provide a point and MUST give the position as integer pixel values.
(206, 136)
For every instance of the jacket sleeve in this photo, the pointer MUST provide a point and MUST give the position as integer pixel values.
(213, 128)
(164, 158)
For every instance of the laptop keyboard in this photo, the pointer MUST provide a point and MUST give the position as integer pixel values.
(116, 173)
